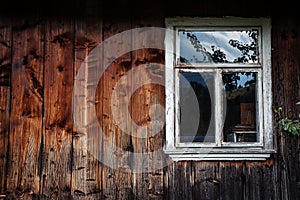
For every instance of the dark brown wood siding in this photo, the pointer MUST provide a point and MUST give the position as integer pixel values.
(44, 156)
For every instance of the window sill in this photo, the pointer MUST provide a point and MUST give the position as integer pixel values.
(260, 155)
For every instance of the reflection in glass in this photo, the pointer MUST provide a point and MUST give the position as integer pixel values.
(240, 121)
(219, 46)
(196, 107)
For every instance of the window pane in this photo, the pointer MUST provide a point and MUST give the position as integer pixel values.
(196, 107)
(240, 107)
(239, 46)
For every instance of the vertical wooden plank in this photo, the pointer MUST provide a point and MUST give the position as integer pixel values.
(4, 130)
(119, 101)
(147, 100)
(278, 61)
(275, 74)
(169, 188)
(269, 180)
(86, 171)
(286, 93)
(140, 105)
(207, 180)
(150, 101)
(297, 97)
(116, 140)
(59, 61)
(184, 180)
(255, 183)
(5, 83)
(260, 180)
(292, 88)
(26, 109)
(5, 52)
(232, 180)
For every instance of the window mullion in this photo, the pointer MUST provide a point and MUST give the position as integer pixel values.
(259, 108)
(177, 107)
(218, 107)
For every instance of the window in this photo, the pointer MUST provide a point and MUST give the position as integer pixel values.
(218, 89)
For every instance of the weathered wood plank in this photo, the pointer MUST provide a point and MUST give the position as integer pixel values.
(184, 179)
(26, 110)
(5, 53)
(5, 62)
(4, 134)
(57, 157)
(269, 181)
(292, 88)
(286, 93)
(255, 183)
(232, 180)
(169, 188)
(150, 98)
(116, 139)
(4, 129)
(86, 171)
(207, 180)
(278, 95)
(148, 109)
(140, 105)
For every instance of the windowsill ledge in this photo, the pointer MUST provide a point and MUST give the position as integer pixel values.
(253, 156)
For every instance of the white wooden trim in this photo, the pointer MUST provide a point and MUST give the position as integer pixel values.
(220, 150)
(219, 114)
(169, 91)
(177, 109)
(267, 87)
(259, 109)
(242, 144)
(225, 157)
(219, 65)
(220, 28)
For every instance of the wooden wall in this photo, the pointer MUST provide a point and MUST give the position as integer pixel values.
(43, 156)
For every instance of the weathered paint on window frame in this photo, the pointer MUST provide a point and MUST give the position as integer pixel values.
(255, 59)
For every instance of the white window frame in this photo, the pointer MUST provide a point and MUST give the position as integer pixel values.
(219, 150)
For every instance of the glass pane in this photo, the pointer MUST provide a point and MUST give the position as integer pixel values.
(240, 107)
(196, 107)
(239, 46)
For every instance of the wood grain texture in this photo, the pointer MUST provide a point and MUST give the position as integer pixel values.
(59, 70)
(43, 156)
(116, 140)
(26, 110)
(4, 134)
(286, 93)
(147, 104)
(232, 173)
(5, 52)
(207, 180)
(86, 170)
(5, 73)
